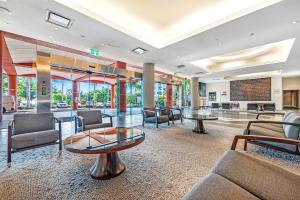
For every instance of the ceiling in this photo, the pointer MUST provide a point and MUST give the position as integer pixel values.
(157, 23)
(267, 25)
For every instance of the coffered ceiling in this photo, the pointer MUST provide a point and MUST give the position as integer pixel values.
(228, 34)
(161, 22)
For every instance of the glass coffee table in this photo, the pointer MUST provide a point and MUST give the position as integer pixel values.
(198, 118)
(106, 142)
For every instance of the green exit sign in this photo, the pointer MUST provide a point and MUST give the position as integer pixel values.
(95, 52)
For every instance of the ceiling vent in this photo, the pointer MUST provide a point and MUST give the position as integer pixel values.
(58, 19)
(197, 73)
(180, 66)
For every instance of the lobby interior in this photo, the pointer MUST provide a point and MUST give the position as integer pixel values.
(146, 100)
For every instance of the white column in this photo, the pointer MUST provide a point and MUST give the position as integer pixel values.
(195, 94)
(276, 89)
(148, 85)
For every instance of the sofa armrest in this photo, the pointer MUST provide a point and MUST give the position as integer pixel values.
(271, 122)
(108, 116)
(270, 113)
(263, 138)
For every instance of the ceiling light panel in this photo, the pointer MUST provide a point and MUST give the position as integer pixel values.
(58, 19)
(139, 51)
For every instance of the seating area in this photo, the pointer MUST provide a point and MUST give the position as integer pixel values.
(149, 100)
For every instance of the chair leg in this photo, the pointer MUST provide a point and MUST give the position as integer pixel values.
(181, 120)
(169, 123)
(9, 157)
(156, 125)
(143, 124)
(60, 145)
(245, 145)
(173, 121)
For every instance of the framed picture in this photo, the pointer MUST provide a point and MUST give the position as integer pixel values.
(212, 96)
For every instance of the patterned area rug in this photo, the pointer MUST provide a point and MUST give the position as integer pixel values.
(164, 166)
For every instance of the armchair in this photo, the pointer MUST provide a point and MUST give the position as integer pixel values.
(155, 116)
(175, 114)
(91, 119)
(287, 129)
(28, 131)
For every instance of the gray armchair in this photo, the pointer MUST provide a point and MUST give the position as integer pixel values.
(28, 131)
(175, 114)
(155, 116)
(287, 129)
(91, 119)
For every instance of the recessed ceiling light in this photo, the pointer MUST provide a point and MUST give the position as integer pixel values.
(139, 50)
(5, 11)
(56, 28)
(58, 19)
(295, 22)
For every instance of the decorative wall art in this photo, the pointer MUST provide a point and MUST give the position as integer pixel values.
(251, 90)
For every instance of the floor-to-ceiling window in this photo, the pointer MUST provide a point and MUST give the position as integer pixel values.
(26, 92)
(160, 94)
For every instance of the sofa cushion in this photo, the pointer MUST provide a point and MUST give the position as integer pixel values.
(34, 138)
(90, 116)
(32, 122)
(273, 127)
(262, 179)
(256, 130)
(160, 119)
(292, 132)
(94, 126)
(215, 187)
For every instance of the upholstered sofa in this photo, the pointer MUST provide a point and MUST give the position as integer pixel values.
(241, 177)
(32, 130)
(288, 128)
(92, 119)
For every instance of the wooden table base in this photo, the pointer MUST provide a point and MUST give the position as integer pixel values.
(107, 166)
(198, 127)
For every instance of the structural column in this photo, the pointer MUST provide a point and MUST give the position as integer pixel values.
(12, 88)
(75, 95)
(148, 85)
(43, 82)
(122, 65)
(113, 97)
(195, 95)
(169, 92)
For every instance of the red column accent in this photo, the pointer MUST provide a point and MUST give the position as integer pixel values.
(169, 95)
(113, 97)
(75, 95)
(12, 88)
(122, 65)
